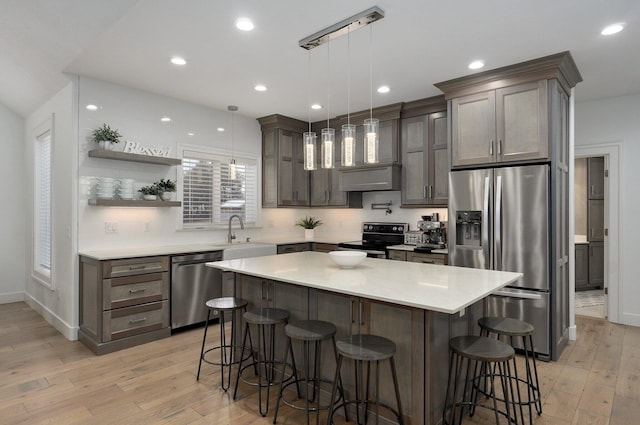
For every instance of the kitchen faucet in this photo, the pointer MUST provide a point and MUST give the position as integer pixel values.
(231, 236)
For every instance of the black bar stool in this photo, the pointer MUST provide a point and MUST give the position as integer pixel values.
(227, 350)
(307, 332)
(366, 348)
(513, 328)
(489, 355)
(263, 359)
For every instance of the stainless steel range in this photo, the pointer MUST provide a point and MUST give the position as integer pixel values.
(376, 237)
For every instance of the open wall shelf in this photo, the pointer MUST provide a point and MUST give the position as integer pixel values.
(133, 157)
(132, 203)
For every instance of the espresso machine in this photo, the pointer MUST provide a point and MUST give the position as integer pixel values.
(433, 233)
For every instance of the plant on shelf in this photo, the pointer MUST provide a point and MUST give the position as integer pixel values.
(149, 193)
(166, 189)
(105, 136)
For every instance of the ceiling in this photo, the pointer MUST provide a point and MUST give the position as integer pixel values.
(418, 43)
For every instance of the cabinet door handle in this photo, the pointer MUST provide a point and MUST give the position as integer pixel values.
(136, 321)
(361, 318)
(136, 291)
(429, 261)
(326, 195)
(491, 148)
(430, 191)
(142, 267)
(351, 311)
(262, 294)
(592, 189)
(424, 192)
(499, 146)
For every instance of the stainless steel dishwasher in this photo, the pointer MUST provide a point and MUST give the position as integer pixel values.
(192, 284)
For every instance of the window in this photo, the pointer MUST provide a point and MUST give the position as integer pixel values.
(213, 190)
(42, 208)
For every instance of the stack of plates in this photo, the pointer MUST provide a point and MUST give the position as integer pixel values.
(105, 188)
(125, 191)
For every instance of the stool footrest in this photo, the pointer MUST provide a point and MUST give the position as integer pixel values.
(239, 349)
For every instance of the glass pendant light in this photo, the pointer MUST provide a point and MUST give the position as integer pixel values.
(347, 157)
(309, 138)
(232, 163)
(371, 125)
(328, 142)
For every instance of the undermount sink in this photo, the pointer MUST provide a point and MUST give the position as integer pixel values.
(247, 250)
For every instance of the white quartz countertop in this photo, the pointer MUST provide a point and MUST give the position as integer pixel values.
(444, 289)
(112, 254)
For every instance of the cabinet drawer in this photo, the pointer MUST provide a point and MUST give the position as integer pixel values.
(397, 255)
(417, 257)
(132, 290)
(324, 247)
(134, 266)
(129, 321)
(295, 247)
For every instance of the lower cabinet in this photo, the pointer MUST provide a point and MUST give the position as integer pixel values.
(596, 265)
(582, 267)
(293, 247)
(418, 257)
(123, 302)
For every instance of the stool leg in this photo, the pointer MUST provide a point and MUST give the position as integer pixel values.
(286, 355)
(316, 378)
(515, 371)
(223, 354)
(536, 391)
(244, 344)
(204, 339)
(340, 386)
(493, 393)
(377, 391)
(334, 390)
(394, 375)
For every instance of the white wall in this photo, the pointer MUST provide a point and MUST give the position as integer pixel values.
(59, 306)
(614, 122)
(12, 217)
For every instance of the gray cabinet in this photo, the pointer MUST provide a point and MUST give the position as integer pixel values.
(293, 247)
(582, 267)
(425, 160)
(284, 180)
(596, 265)
(595, 220)
(419, 257)
(595, 177)
(504, 125)
(123, 302)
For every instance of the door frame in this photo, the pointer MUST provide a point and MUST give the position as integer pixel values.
(611, 153)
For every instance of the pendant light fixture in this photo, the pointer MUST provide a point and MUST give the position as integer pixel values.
(328, 142)
(371, 125)
(309, 138)
(232, 163)
(347, 158)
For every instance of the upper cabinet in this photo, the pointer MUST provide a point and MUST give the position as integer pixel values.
(595, 175)
(423, 141)
(505, 115)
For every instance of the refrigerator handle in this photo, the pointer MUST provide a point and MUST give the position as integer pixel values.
(526, 296)
(498, 225)
(485, 228)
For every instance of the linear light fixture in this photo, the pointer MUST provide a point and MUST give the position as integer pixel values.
(351, 24)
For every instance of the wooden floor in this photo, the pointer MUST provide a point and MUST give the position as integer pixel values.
(46, 379)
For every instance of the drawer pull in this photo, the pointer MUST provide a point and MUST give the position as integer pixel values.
(429, 261)
(136, 321)
(136, 291)
(142, 267)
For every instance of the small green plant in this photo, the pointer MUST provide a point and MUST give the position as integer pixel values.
(309, 222)
(149, 190)
(105, 134)
(166, 185)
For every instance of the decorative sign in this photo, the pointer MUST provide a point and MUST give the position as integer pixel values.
(135, 147)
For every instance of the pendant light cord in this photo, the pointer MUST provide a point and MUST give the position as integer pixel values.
(348, 75)
(309, 88)
(371, 71)
(328, 79)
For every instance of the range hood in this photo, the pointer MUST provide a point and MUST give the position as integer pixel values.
(370, 178)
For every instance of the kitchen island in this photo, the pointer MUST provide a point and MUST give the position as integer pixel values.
(418, 306)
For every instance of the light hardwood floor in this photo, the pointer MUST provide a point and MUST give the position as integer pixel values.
(46, 379)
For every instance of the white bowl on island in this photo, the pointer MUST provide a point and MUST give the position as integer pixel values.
(347, 259)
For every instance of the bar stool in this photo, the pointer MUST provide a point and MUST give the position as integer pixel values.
(366, 348)
(513, 328)
(263, 359)
(227, 351)
(489, 354)
(307, 332)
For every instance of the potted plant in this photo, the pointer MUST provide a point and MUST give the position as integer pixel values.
(308, 224)
(166, 189)
(149, 193)
(105, 136)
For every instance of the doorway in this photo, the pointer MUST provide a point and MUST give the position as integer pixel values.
(590, 200)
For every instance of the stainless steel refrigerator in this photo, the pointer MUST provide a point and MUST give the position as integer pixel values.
(500, 219)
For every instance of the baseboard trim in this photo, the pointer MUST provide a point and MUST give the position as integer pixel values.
(630, 319)
(68, 331)
(573, 333)
(12, 297)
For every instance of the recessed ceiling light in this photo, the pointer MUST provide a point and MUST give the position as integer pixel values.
(612, 29)
(260, 87)
(476, 65)
(244, 24)
(177, 60)
(220, 129)
(92, 107)
(383, 89)
(165, 119)
(191, 134)
(316, 106)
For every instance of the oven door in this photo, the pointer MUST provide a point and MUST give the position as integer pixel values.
(371, 253)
